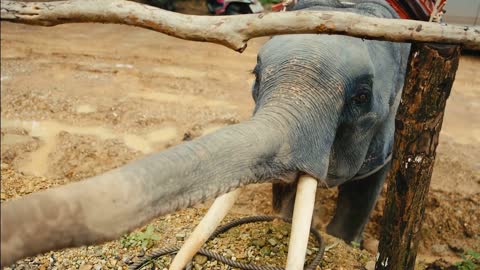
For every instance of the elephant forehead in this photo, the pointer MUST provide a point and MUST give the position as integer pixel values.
(319, 52)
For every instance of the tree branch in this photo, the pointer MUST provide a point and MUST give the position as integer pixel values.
(234, 31)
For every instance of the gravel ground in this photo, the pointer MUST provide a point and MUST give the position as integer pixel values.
(78, 100)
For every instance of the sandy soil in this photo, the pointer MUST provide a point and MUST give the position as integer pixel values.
(80, 99)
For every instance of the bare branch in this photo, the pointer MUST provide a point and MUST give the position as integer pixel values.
(235, 31)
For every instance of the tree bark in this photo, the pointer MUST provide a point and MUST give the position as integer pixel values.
(430, 75)
(235, 31)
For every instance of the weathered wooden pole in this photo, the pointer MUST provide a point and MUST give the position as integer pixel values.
(430, 75)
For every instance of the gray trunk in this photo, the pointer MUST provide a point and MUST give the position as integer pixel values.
(107, 206)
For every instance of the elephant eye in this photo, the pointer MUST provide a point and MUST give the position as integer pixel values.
(362, 97)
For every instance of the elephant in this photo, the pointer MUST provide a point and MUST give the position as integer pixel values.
(325, 106)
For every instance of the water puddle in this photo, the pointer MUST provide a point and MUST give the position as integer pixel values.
(180, 72)
(120, 65)
(14, 138)
(162, 135)
(211, 128)
(46, 131)
(182, 99)
(85, 108)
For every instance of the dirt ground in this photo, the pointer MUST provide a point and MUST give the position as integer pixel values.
(80, 99)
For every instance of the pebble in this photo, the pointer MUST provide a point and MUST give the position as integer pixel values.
(85, 267)
(98, 252)
(439, 249)
(241, 255)
(180, 236)
(272, 241)
(258, 242)
(52, 257)
(200, 259)
(113, 262)
(265, 251)
(127, 260)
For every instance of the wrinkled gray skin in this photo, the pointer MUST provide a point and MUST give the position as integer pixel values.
(325, 106)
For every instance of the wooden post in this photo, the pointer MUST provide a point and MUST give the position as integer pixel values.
(430, 75)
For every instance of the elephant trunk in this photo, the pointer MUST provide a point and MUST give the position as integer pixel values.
(107, 206)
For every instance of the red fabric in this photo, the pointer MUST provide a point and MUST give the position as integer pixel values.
(277, 7)
(415, 9)
(406, 9)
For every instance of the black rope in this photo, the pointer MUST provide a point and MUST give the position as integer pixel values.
(212, 255)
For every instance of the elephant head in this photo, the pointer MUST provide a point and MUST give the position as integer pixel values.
(324, 106)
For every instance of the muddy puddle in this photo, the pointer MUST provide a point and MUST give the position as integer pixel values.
(47, 131)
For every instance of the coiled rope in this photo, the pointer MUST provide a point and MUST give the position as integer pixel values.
(212, 255)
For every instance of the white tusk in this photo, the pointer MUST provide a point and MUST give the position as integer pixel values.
(205, 228)
(301, 222)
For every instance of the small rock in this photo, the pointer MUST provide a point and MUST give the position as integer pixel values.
(439, 249)
(113, 262)
(180, 236)
(200, 259)
(197, 267)
(265, 251)
(98, 267)
(258, 242)
(241, 255)
(85, 267)
(98, 252)
(127, 260)
(4, 166)
(141, 253)
(370, 265)
(272, 241)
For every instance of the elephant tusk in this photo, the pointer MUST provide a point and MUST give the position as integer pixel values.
(204, 229)
(301, 222)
